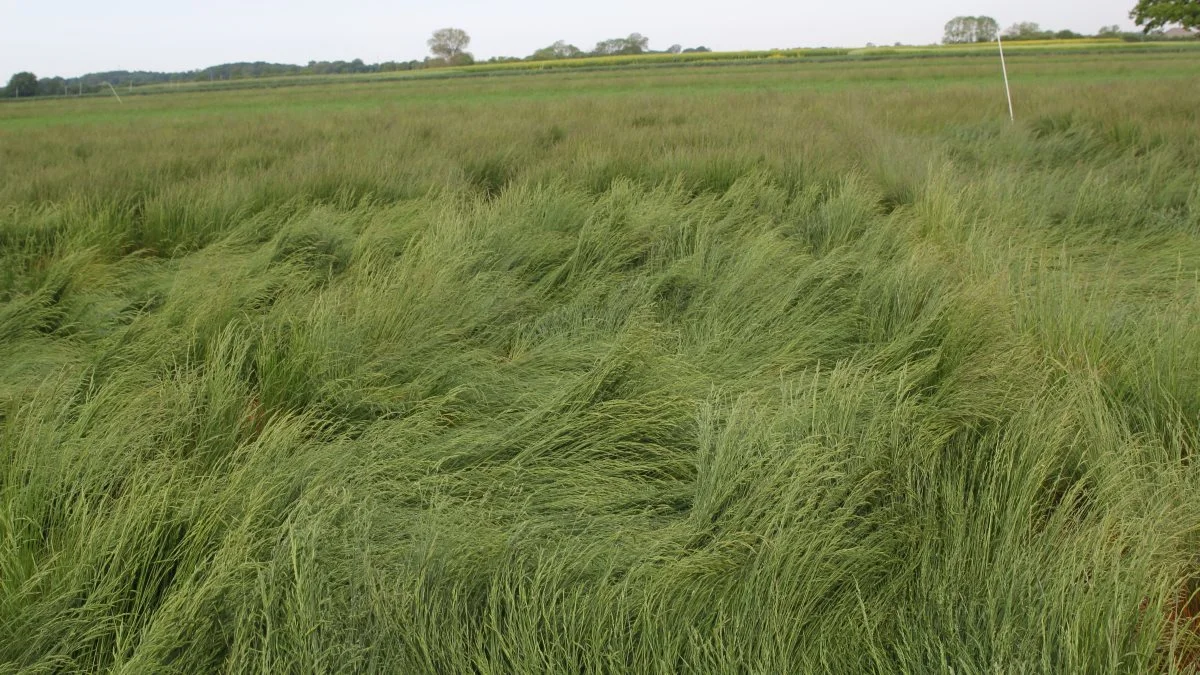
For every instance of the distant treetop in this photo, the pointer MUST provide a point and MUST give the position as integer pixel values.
(966, 29)
(450, 45)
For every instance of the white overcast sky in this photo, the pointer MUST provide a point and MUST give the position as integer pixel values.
(72, 37)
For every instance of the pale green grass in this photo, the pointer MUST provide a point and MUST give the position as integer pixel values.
(760, 378)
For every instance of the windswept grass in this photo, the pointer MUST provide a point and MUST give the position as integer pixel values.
(728, 375)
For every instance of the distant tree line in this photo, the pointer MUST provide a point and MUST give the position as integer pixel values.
(27, 84)
(968, 29)
(635, 43)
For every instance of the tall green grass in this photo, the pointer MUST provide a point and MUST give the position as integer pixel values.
(756, 378)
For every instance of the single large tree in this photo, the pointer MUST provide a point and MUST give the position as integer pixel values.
(637, 43)
(449, 44)
(956, 31)
(1154, 14)
(986, 29)
(22, 84)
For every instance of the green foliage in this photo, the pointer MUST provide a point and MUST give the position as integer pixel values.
(1155, 14)
(636, 43)
(820, 367)
(450, 45)
(1028, 30)
(558, 50)
(22, 84)
(967, 29)
(51, 86)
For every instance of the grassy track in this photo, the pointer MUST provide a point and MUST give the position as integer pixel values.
(776, 368)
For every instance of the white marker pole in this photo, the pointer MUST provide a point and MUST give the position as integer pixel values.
(114, 91)
(1004, 67)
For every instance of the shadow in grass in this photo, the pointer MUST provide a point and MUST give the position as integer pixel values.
(490, 175)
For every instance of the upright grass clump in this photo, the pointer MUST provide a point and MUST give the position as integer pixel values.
(816, 367)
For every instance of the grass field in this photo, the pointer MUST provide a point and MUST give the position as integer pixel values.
(777, 368)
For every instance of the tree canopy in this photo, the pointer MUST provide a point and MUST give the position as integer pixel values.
(964, 29)
(558, 50)
(1155, 14)
(636, 43)
(449, 43)
(1027, 30)
(22, 84)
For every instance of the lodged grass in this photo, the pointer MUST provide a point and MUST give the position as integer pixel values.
(747, 379)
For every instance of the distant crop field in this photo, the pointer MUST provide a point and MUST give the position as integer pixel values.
(817, 365)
